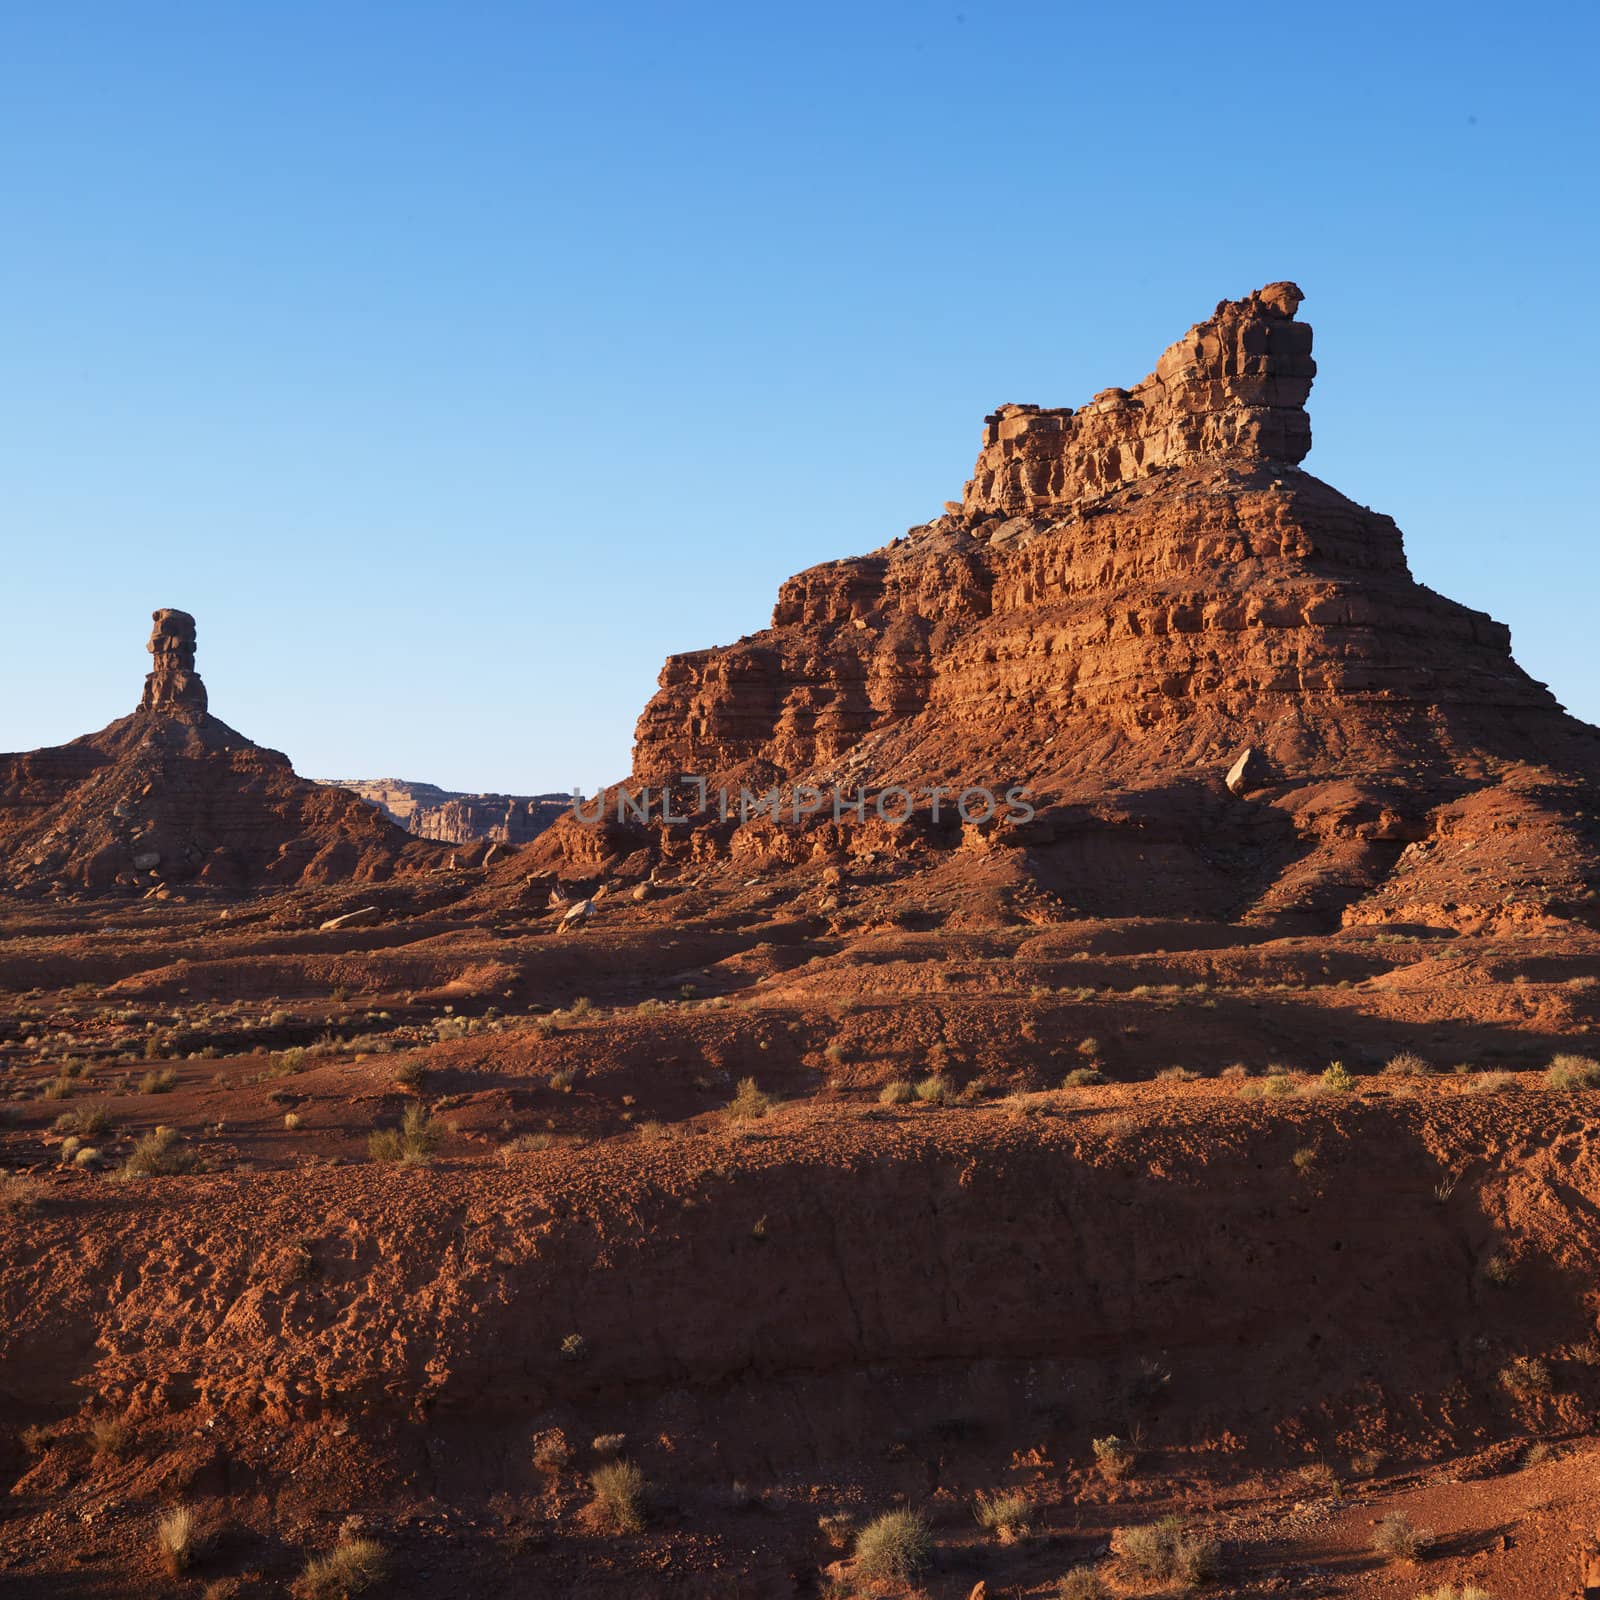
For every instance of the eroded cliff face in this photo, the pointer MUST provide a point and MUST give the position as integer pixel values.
(454, 817)
(1126, 599)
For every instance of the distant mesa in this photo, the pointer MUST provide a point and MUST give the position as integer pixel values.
(169, 795)
(456, 817)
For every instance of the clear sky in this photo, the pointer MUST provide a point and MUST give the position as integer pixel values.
(455, 362)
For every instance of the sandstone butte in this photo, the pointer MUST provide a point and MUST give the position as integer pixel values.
(1128, 600)
(170, 794)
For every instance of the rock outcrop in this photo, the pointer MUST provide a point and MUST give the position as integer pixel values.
(1233, 386)
(1125, 598)
(173, 683)
(171, 795)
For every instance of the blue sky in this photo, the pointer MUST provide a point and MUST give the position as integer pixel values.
(455, 363)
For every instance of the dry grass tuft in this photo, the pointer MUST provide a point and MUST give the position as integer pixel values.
(1399, 1539)
(749, 1103)
(20, 1196)
(352, 1567)
(161, 1154)
(1528, 1378)
(1166, 1550)
(1007, 1514)
(895, 1547)
(178, 1539)
(1082, 1583)
(412, 1144)
(620, 1495)
(898, 1093)
(1573, 1072)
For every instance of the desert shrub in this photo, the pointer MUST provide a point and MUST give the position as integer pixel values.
(837, 1528)
(574, 1347)
(1275, 1084)
(609, 1444)
(1399, 1539)
(1304, 1159)
(933, 1091)
(1082, 1583)
(1166, 1550)
(178, 1539)
(352, 1567)
(1083, 1078)
(88, 1158)
(158, 1082)
(1446, 1592)
(411, 1144)
(108, 1436)
(620, 1495)
(1089, 1047)
(525, 1144)
(1177, 1075)
(1408, 1064)
(550, 1453)
(1498, 1269)
(411, 1073)
(160, 1154)
(1006, 1513)
(1493, 1082)
(1527, 1377)
(897, 1093)
(749, 1103)
(291, 1120)
(1365, 1463)
(60, 1087)
(1114, 1457)
(1339, 1078)
(88, 1122)
(1317, 1477)
(20, 1195)
(896, 1546)
(1573, 1072)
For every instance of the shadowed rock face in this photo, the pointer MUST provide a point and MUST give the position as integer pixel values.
(173, 683)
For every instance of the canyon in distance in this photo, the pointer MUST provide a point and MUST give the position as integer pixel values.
(1190, 1186)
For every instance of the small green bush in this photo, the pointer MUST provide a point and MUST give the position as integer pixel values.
(1083, 1078)
(897, 1093)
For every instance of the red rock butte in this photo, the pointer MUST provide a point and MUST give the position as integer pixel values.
(171, 795)
(1128, 599)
